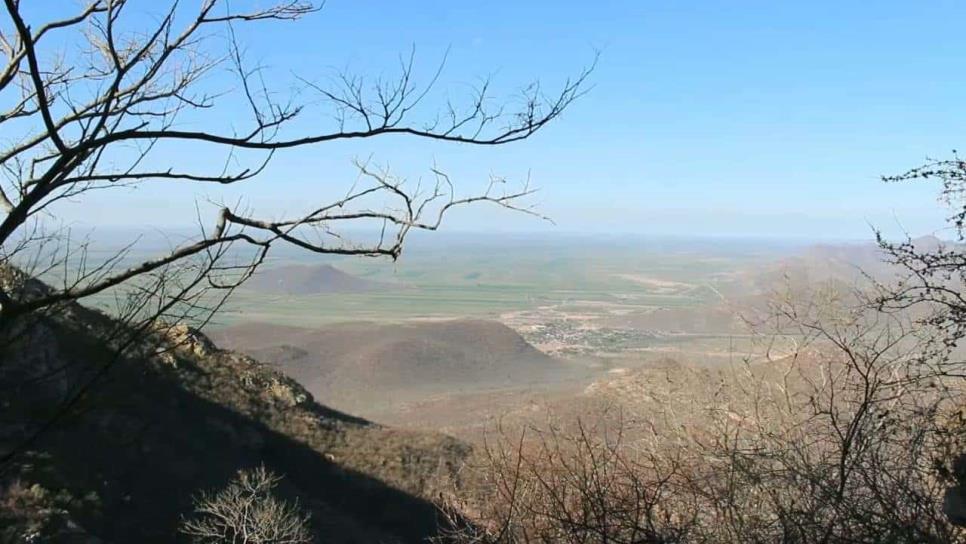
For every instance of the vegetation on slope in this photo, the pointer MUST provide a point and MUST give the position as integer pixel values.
(176, 416)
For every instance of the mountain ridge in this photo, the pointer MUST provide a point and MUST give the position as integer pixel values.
(393, 359)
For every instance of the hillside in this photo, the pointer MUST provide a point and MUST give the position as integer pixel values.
(848, 265)
(364, 366)
(177, 416)
(310, 280)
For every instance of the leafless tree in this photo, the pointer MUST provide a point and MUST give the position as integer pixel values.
(933, 287)
(834, 440)
(934, 272)
(573, 485)
(246, 511)
(101, 112)
(99, 99)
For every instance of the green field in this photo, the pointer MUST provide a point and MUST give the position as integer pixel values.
(462, 283)
(490, 279)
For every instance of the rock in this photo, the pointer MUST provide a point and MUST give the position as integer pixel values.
(288, 393)
(258, 377)
(954, 505)
(188, 339)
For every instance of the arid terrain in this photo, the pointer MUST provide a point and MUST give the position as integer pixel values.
(372, 368)
(462, 362)
(305, 272)
(366, 407)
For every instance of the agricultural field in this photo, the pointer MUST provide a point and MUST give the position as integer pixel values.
(571, 297)
(519, 285)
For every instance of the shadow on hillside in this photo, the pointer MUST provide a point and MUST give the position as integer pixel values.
(144, 445)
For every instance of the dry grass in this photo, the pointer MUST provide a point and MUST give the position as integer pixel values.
(843, 440)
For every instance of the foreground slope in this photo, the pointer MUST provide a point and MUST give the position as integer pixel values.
(180, 416)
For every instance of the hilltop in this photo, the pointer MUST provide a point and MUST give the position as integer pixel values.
(363, 366)
(300, 279)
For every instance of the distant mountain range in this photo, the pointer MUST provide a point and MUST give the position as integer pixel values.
(849, 264)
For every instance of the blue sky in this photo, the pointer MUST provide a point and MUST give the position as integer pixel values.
(706, 118)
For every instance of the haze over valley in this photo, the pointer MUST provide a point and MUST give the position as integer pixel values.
(456, 339)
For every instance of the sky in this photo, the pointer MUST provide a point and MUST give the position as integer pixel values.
(705, 118)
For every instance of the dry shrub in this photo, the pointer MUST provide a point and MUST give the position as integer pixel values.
(246, 511)
(555, 485)
(832, 436)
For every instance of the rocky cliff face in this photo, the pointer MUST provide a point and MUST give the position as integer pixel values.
(176, 415)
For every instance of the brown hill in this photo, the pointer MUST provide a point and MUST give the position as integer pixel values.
(367, 366)
(848, 265)
(177, 416)
(311, 279)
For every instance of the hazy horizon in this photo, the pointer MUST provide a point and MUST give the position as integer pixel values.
(112, 235)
